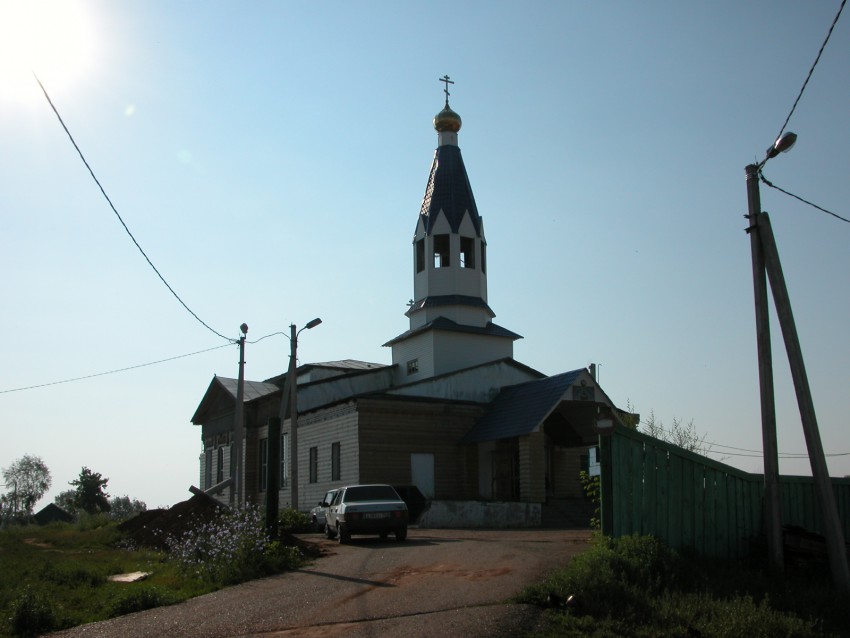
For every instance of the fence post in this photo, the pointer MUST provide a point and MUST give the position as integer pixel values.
(606, 484)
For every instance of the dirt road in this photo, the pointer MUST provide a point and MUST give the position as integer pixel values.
(437, 583)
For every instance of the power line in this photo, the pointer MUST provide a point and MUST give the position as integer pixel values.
(782, 455)
(808, 77)
(125, 369)
(828, 212)
(102, 374)
(114, 210)
(707, 445)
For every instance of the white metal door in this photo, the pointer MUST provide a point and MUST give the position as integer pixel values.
(422, 473)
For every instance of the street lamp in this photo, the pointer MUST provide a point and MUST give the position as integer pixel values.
(766, 257)
(782, 145)
(293, 405)
(773, 519)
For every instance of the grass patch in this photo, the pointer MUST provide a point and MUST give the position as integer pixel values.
(56, 577)
(637, 586)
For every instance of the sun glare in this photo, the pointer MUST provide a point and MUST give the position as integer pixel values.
(51, 38)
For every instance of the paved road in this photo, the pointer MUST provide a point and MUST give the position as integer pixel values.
(437, 583)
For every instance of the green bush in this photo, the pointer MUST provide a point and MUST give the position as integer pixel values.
(292, 521)
(592, 487)
(33, 614)
(86, 521)
(145, 597)
(637, 586)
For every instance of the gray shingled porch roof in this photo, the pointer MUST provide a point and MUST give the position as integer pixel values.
(518, 410)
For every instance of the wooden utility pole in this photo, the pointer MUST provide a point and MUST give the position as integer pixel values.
(273, 476)
(835, 546)
(772, 511)
(238, 427)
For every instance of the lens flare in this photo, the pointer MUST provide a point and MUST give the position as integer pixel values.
(52, 38)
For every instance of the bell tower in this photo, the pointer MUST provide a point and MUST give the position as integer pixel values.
(451, 324)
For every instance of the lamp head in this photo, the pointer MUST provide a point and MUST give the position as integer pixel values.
(604, 424)
(782, 145)
(312, 324)
(244, 328)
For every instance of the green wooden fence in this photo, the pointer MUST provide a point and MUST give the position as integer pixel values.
(695, 503)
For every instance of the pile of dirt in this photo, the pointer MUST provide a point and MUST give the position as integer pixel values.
(152, 527)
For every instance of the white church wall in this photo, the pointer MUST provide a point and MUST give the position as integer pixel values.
(416, 349)
(320, 430)
(455, 350)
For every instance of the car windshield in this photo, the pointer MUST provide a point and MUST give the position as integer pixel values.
(370, 493)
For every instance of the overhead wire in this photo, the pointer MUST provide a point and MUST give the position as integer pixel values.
(707, 445)
(805, 201)
(102, 374)
(794, 108)
(812, 70)
(117, 214)
(134, 367)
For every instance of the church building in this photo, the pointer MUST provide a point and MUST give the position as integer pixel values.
(454, 413)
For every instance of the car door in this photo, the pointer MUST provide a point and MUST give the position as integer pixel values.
(333, 510)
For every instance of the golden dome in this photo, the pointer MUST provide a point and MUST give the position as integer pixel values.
(447, 120)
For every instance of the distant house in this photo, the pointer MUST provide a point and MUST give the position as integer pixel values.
(52, 514)
(453, 414)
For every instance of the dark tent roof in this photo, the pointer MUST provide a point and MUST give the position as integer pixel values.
(449, 191)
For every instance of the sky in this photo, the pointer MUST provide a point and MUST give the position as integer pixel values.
(271, 158)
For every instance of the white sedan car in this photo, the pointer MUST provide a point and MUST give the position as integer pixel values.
(366, 509)
(320, 512)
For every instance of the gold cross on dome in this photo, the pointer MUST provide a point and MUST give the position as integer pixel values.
(447, 81)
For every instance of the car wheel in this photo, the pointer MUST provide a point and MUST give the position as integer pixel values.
(329, 532)
(401, 534)
(384, 535)
(342, 535)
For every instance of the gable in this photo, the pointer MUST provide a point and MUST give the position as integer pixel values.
(521, 409)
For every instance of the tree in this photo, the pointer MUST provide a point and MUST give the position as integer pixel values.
(122, 508)
(66, 500)
(29, 479)
(683, 435)
(90, 495)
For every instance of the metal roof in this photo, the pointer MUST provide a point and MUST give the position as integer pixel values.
(519, 409)
(442, 323)
(253, 389)
(348, 364)
(228, 386)
(449, 191)
(438, 301)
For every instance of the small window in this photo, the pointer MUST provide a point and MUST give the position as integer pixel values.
(208, 468)
(314, 465)
(467, 252)
(420, 255)
(219, 472)
(441, 251)
(483, 257)
(412, 366)
(264, 464)
(284, 459)
(335, 461)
